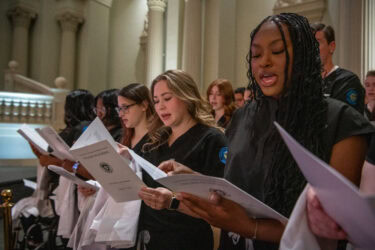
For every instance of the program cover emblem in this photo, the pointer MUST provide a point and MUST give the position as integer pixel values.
(106, 167)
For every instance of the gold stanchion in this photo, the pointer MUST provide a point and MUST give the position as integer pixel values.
(7, 205)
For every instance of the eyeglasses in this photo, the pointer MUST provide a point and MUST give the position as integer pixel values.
(99, 110)
(124, 109)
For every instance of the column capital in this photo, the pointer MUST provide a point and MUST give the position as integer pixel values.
(157, 5)
(69, 20)
(21, 15)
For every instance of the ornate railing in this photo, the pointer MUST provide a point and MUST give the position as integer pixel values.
(25, 100)
(26, 108)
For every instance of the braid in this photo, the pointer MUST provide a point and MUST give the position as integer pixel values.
(302, 112)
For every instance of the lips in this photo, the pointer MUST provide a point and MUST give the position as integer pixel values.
(268, 79)
(165, 117)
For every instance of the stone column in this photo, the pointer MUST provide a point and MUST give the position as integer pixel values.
(192, 39)
(21, 18)
(69, 24)
(155, 39)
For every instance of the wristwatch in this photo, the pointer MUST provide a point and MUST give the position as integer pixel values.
(75, 167)
(174, 203)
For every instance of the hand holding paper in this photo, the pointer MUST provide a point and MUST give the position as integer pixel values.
(341, 200)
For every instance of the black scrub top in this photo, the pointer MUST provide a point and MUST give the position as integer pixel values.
(371, 151)
(250, 152)
(345, 86)
(116, 133)
(203, 149)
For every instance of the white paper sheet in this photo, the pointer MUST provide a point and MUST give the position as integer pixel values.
(338, 196)
(95, 132)
(60, 148)
(203, 185)
(30, 184)
(70, 176)
(34, 138)
(110, 169)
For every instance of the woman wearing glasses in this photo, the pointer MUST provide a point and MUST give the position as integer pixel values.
(135, 109)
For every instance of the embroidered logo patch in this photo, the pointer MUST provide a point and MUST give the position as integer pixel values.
(352, 96)
(223, 154)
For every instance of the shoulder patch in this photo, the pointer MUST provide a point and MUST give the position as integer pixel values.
(352, 97)
(223, 154)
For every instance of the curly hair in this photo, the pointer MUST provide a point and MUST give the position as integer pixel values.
(184, 88)
(225, 88)
(302, 110)
(138, 93)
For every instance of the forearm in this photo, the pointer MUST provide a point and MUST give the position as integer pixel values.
(262, 229)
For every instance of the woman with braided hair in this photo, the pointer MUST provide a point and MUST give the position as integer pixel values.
(285, 77)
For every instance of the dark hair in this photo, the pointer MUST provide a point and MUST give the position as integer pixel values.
(79, 106)
(225, 88)
(328, 31)
(302, 110)
(370, 73)
(109, 98)
(138, 93)
(240, 90)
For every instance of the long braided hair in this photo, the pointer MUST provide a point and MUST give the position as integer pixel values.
(302, 110)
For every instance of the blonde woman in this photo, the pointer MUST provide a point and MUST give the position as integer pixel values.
(185, 131)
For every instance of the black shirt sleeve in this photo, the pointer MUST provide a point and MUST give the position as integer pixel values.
(214, 155)
(349, 89)
(371, 151)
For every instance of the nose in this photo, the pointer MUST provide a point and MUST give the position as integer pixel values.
(161, 105)
(265, 60)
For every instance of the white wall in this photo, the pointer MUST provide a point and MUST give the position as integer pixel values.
(126, 60)
(248, 15)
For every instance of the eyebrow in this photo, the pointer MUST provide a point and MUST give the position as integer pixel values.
(165, 93)
(272, 43)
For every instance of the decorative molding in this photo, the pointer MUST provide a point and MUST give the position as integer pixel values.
(143, 38)
(107, 3)
(69, 20)
(311, 9)
(157, 5)
(21, 15)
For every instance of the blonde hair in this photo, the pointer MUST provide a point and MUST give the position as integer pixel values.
(184, 88)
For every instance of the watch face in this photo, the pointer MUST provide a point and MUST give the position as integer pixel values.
(174, 204)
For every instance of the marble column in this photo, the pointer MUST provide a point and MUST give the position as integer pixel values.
(21, 18)
(155, 39)
(192, 39)
(69, 22)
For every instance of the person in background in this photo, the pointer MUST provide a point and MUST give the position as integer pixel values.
(248, 94)
(221, 98)
(105, 109)
(239, 97)
(370, 95)
(339, 83)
